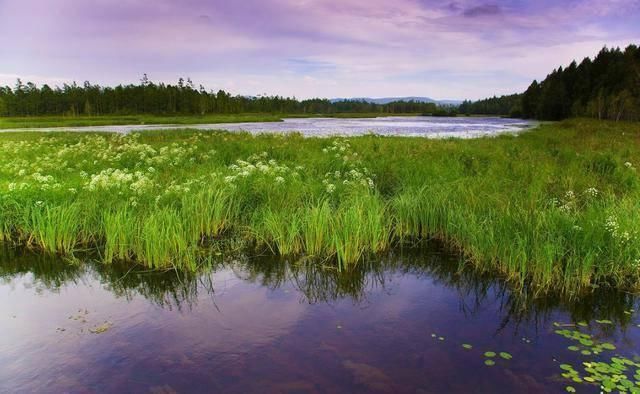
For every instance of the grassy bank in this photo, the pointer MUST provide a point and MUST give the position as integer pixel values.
(558, 207)
(88, 121)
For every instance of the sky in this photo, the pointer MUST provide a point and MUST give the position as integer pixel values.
(462, 49)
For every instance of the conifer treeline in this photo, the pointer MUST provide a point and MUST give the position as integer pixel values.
(182, 98)
(607, 87)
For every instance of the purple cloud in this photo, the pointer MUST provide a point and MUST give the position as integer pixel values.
(306, 48)
(482, 10)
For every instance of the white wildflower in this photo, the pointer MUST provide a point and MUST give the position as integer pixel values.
(612, 225)
(592, 192)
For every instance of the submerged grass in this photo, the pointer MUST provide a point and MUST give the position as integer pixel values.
(557, 207)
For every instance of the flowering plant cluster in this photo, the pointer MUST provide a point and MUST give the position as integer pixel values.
(570, 202)
(352, 173)
(116, 179)
(261, 166)
(620, 236)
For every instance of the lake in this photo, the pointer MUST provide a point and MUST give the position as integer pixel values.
(416, 126)
(411, 321)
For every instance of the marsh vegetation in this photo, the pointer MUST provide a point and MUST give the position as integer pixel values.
(553, 208)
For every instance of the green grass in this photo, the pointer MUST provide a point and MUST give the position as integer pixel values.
(109, 120)
(114, 120)
(554, 208)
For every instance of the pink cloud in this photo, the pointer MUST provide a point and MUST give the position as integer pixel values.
(451, 49)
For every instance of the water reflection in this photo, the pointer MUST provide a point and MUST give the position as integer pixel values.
(316, 282)
(264, 324)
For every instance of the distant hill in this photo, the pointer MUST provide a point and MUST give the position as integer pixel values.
(387, 100)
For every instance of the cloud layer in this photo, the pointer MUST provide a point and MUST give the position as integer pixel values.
(309, 48)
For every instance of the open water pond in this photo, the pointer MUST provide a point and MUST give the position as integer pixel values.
(414, 126)
(408, 322)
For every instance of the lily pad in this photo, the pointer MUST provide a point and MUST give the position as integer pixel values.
(586, 342)
(506, 355)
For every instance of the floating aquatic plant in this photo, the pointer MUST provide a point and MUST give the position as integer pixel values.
(506, 356)
(617, 373)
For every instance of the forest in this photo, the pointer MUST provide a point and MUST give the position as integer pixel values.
(183, 98)
(605, 87)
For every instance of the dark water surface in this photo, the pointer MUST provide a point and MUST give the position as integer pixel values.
(265, 325)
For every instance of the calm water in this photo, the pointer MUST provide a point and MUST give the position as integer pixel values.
(418, 126)
(264, 325)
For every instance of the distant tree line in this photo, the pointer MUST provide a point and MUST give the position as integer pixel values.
(183, 98)
(503, 105)
(607, 87)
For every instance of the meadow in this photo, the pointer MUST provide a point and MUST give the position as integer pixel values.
(556, 208)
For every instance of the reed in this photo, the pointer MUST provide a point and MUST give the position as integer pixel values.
(317, 229)
(119, 234)
(54, 229)
(279, 230)
(208, 213)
